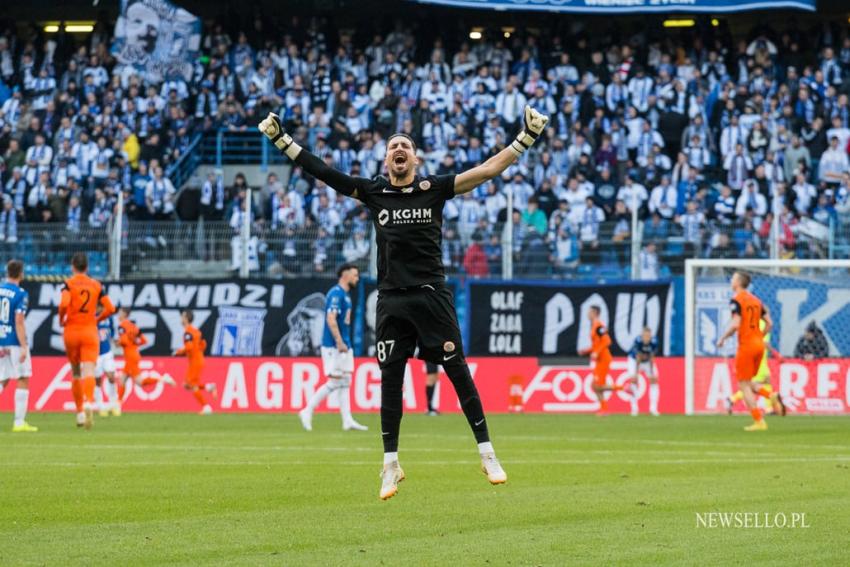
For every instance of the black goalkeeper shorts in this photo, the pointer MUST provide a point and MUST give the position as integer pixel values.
(423, 316)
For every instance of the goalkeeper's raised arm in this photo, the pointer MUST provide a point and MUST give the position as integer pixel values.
(533, 125)
(403, 172)
(335, 179)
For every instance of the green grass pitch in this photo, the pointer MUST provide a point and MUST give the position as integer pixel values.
(257, 490)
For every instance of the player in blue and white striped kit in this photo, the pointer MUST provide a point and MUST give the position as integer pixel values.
(642, 359)
(15, 361)
(337, 357)
(105, 367)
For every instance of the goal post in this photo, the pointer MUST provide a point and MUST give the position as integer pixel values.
(797, 293)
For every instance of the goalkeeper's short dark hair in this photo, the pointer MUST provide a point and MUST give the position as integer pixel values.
(402, 135)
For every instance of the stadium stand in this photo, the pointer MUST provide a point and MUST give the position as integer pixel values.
(710, 137)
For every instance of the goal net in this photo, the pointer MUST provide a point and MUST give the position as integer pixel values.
(809, 358)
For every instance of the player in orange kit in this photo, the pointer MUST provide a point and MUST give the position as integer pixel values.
(194, 346)
(130, 339)
(747, 314)
(77, 315)
(600, 354)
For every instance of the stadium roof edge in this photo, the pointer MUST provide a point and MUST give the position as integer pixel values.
(628, 7)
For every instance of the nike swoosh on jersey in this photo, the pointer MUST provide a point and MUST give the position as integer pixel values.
(477, 423)
(449, 357)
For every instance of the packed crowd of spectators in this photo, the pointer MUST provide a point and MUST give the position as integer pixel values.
(718, 142)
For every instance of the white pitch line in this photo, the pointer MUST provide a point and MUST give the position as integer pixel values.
(195, 447)
(347, 449)
(278, 449)
(270, 449)
(504, 439)
(749, 446)
(373, 463)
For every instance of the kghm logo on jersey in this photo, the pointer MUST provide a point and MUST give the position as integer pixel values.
(405, 216)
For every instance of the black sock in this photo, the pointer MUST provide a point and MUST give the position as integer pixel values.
(429, 396)
(392, 380)
(470, 402)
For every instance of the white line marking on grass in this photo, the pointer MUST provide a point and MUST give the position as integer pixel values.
(133, 446)
(507, 438)
(372, 463)
(733, 453)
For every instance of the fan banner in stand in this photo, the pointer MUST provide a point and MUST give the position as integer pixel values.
(550, 319)
(158, 39)
(237, 317)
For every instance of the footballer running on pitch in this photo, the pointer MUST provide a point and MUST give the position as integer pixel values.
(414, 305)
(747, 313)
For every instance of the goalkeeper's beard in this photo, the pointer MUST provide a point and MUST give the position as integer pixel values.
(401, 173)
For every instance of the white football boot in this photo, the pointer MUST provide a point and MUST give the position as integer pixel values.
(391, 475)
(353, 425)
(306, 417)
(493, 469)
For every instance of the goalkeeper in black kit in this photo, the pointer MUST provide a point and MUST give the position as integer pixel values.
(414, 305)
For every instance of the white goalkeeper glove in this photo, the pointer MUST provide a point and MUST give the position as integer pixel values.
(532, 127)
(273, 130)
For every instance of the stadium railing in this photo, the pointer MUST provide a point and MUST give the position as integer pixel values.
(213, 249)
(809, 239)
(46, 248)
(179, 249)
(839, 238)
(224, 147)
(538, 256)
(181, 170)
